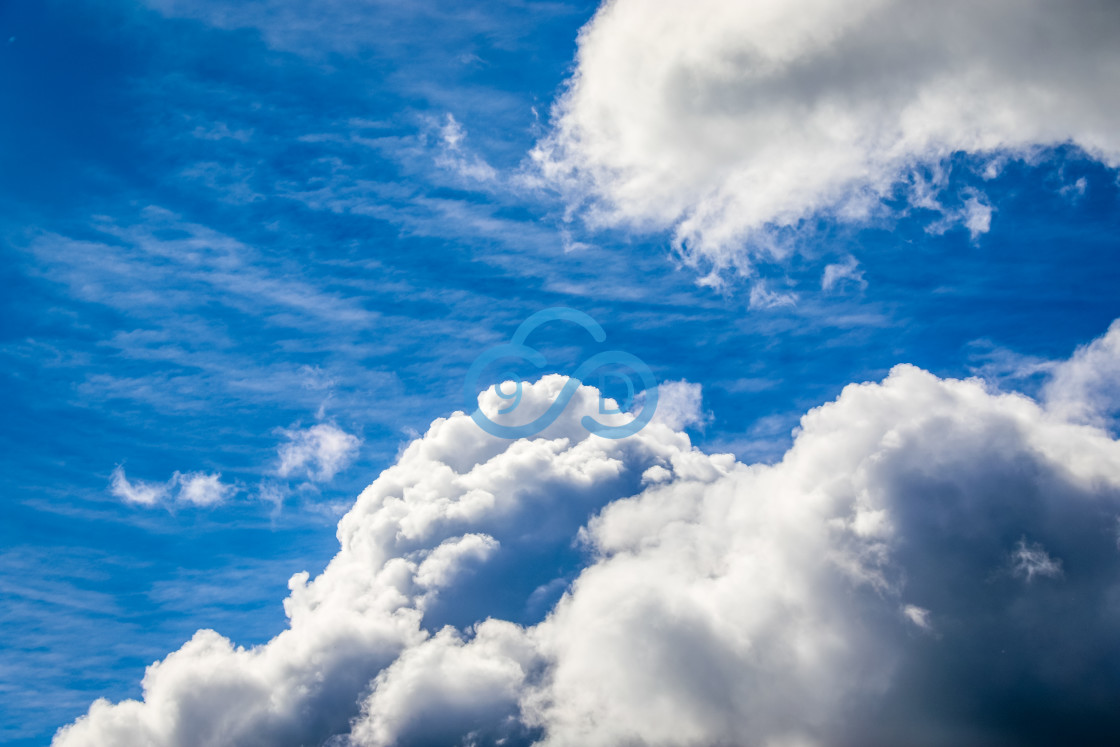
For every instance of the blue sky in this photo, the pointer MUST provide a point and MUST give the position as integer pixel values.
(226, 224)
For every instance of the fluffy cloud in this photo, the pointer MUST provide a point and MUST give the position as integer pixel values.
(201, 489)
(727, 120)
(1086, 388)
(680, 404)
(319, 452)
(932, 562)
(194, 488)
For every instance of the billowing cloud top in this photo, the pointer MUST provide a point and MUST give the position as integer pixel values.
(930, 563)
(725, 120)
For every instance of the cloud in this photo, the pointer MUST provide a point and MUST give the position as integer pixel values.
(443, 563)
(1086, 388)
(680, 404)
(856, 592)
(1076, 190)
(837, 274)
(450, 691)
(763, 298)
(731, 122)
(1032, 560)
(898, 494)
(194, 488)
(422, 524)
(454, 156)
(918, 616)
(319, 452)
(975, 215)
(137, 492)
(201, 489)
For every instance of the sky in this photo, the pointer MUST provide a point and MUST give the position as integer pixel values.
(868, 250)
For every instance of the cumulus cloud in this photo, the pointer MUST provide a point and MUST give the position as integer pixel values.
(1086, 388)
(448, 690)
(728, 122)
(318, 452)
(680, 404)
(926, 565)
(442, 564)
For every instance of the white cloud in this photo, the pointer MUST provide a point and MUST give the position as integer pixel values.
(194, 488)
(441, 565)
(202, 489)
(137, 491)
(918, 616)
(763, 298)
(835, 275)
(719, 602)
(1032, 560)
(449, 691)
(730, 121)
(454, 156)
(1086, 388)
(1076, 190)
(319, 452)
(975, 215)
(896, 495)
(456, 488)
(680, 404)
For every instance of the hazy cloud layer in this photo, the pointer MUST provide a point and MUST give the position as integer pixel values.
(728, 122)
(931, 563)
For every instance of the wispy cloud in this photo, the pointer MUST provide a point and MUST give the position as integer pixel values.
(455, 157)
(137, 491)
(199, 489)
(838, 274)
(1030, 560)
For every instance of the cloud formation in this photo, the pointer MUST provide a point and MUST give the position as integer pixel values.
(926, 565)
(729, 122)
(202, 489)
(137, 492)
(194, 488)
(1086, 388)
(319, 452)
